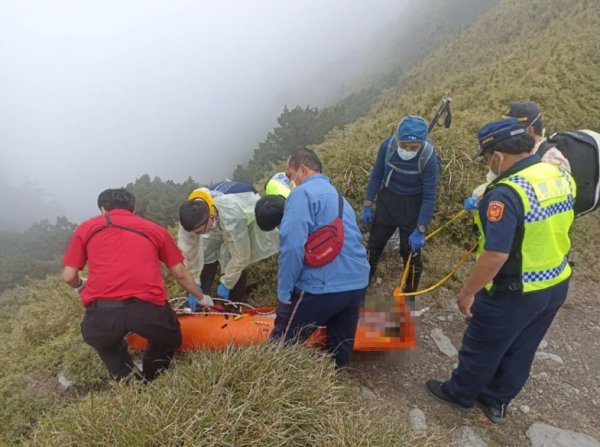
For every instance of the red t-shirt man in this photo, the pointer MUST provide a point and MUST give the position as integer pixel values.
(124, 252)
(125, 290)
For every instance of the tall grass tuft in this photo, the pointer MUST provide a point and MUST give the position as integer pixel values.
(269, 395)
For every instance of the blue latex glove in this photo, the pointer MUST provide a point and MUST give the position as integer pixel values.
(192, 301)
(416, 240)
(367, 214)
(471, 203)
(222, 291)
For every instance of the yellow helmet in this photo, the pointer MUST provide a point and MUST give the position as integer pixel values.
(204, 194)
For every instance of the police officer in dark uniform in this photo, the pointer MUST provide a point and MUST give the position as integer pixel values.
(521, 276)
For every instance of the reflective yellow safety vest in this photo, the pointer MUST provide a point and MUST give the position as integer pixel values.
(547, 193)
(278, 185)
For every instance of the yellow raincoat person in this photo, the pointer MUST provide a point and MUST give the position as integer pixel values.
(224, 235)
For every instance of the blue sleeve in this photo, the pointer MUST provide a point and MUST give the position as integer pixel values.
(377, 173)
(293, 234)
(429, 195)
(227, 187)
(500, 211)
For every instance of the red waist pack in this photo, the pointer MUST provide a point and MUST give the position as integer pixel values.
(325, 244)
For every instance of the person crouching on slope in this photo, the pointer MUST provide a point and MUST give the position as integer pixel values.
(124, 291)
(218, 228)
(268, 211)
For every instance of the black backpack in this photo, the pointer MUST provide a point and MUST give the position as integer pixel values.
(582, 149)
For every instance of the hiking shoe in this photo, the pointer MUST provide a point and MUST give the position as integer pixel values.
(436, 389)
(495, 413)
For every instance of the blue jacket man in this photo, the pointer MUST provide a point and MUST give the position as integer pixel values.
(404, 181)
(330, 295)
(521, 276)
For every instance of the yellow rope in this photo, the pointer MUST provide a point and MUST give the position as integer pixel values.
(457, 216)
(398, 289)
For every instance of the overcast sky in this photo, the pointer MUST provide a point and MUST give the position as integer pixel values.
(96, 93)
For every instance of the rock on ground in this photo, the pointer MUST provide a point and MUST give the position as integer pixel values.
(547, 356)
(64, 381)
(418, 423)
(366, 392)
(544, 435)
(443, 342)
(466, 437)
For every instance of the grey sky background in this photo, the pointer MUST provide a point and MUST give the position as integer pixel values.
(96, 93)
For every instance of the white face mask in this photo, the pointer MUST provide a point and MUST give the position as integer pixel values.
(406, 155)
(490, 176)
(294, 182)
(209, 226)
(499, 166)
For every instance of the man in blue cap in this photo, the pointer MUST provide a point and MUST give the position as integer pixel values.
(521, 276)
(404, 182)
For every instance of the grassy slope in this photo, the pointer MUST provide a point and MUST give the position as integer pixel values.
(268, 395)
(542, 51)
(258, 396)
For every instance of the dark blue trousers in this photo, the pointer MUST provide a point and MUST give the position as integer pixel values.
(338, 312)
(500, 343)
(402, 212)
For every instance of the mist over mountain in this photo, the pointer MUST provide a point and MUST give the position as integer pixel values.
(24, 203)
(96, 94)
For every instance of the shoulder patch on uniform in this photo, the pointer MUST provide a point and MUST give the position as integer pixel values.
(495, 211)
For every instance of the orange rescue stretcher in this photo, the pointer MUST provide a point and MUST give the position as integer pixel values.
(376, 331)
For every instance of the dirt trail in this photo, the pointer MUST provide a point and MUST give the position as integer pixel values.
(564, 395)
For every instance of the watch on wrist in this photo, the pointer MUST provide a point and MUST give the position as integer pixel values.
(422, 228)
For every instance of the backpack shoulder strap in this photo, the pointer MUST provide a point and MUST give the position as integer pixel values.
(391, 148)
(425, 156)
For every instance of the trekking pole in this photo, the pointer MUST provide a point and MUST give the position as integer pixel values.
(442, 111)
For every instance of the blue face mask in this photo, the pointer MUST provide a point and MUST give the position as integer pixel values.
(406, 155)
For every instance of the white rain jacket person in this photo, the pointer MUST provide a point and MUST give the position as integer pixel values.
(235, 242)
